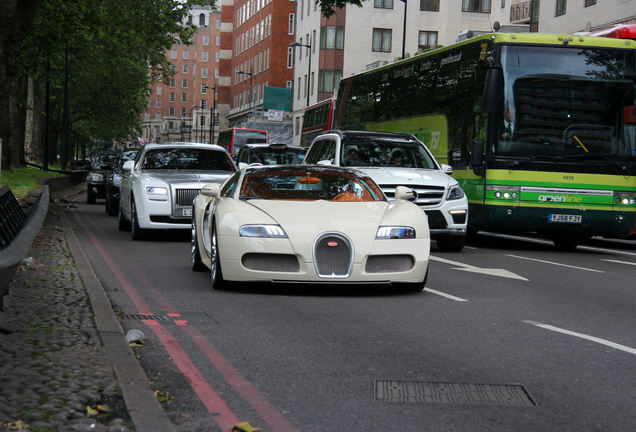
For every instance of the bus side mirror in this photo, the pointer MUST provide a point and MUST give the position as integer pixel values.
(477, 157)
(494, 82)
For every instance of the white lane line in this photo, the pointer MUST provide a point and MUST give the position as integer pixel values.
(606, 250)
(620, 262)
(555, 263)
(584, 336)
(470, 247)
(439, 293)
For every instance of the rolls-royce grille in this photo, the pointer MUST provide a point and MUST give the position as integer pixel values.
(185, 197)
(333, 255)
(424, 195)
(389, 263)
(270, 262)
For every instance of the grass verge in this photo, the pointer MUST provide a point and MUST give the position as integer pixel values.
(23, 179)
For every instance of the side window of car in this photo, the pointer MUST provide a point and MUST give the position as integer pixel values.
(321, 150)
(242, 155)
(230, 185)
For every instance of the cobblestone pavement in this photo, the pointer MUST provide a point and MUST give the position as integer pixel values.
(54, 372)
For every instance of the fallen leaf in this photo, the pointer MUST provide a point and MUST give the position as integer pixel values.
(104, 408)
(162, 397)
(139, 342)
(90, 411)
(16, 425)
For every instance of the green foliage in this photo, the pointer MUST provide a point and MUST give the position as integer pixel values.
(23, 179)
(107, 48)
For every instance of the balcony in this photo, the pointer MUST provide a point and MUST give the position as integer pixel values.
(520, 13)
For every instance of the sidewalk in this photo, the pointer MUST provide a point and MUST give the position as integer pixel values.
(64, 361)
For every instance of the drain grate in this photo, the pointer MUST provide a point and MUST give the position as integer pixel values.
(452, 393)
(147, 317)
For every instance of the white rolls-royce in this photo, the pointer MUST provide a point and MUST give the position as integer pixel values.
(162, 181)
(302, 223)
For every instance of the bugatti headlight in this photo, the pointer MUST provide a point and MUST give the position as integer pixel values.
(156, 193)
(455, 192)
(94, 178)
(395, 232)
(268, 231)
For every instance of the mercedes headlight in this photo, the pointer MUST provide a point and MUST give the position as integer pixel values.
(454, 192)
(267, 231)
(157, 193)
(395, 232)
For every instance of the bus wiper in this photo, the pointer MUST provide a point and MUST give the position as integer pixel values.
(534, 158)
(605, 157)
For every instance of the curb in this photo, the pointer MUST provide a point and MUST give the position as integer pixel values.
(144, 409)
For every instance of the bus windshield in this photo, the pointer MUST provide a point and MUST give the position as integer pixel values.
(569, 103)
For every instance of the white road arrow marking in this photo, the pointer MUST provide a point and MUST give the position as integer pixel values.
(487, 271)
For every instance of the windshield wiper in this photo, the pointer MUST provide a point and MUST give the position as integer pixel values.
(536, 158)
(603, 157)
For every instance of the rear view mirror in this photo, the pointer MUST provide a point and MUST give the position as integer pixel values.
(447, 169)
(242, 165)
(477, 156)
(494, 83)
(403, 193)
(128, 166)
(211, 190)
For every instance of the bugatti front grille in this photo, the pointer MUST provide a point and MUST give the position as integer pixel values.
(333, 255)
(185, 197)
(270, 262)
(389, 263)
(423, 195)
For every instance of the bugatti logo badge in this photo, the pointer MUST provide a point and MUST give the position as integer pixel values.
(332, 244)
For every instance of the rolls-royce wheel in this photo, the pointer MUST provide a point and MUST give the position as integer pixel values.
(136, 232)
(122, 223)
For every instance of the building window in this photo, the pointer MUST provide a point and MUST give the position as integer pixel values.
(184, 83)
(157, 117)
(204, 72)
(218, 40)
(503, 4)
(328, 79)
(171, 112)
(381, 40)
(290, 57)
(427, 40)
(172, 97)
(204, 104)
(202, 20)
(218, 24)
(186, 54)
(590, 3)
(202, 120)
(476, 6)
(173, 82)
(204, 89)
(204, 56)
(184, 97)
(383, 4)
(560, 7)
(331, 37)
(158, 103)
(216, 72)
(183, 112)
(184, 69)
(206, 40)
(290, 28)
(159, 90)
(173, 54)
(289, 84)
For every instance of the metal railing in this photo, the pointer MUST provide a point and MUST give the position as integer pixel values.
(17, 232)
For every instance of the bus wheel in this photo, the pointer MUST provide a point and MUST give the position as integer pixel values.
(450, 243)
(566, 242)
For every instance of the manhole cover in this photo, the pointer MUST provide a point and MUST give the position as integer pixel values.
(452, 393)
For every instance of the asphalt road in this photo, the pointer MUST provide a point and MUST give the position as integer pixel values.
(509, 335)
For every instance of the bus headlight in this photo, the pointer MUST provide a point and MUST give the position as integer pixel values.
(625, 198)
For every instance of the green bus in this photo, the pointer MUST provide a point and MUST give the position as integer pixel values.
(539, 128)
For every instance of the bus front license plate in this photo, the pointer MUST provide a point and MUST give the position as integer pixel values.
(565, 218)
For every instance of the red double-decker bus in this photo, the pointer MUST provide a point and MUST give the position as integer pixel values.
(317, 118)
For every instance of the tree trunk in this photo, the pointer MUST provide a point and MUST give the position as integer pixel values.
(16, 17)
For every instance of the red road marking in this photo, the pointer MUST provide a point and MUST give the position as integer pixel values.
(215, 405)
(212, 401)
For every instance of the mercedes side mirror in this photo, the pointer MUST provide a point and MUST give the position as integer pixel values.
(128, 166)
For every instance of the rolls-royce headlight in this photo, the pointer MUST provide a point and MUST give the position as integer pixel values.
(157, 193)
(395, 232)
(270, 231)
(94, 177)
(455, 192)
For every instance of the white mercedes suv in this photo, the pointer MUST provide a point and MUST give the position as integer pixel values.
(400, 159)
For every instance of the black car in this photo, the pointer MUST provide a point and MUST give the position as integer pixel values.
(113, 180)
(101, 168)
(270, 154)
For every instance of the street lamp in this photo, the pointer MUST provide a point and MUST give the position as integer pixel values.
(297, 44)
(251, 90)
(192, 123)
